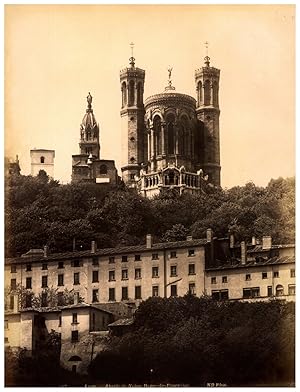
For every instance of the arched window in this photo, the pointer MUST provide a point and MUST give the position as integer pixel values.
(207, 92)
(199, 93)
(183, 136)
(131, 93)
(42, 159)
(124, 95)
(139, 94)
(75, 358)
(157, 131)
(215, 94)
(103, 169)
(171, 134)
(181, 141)
(279, 290)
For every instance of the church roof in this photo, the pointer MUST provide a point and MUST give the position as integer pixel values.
(89, 120)
(172, 97)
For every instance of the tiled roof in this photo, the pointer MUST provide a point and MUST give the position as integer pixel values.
(84, 305)
(121, 322)
(253, 263)
(259, 248)
(109, 251)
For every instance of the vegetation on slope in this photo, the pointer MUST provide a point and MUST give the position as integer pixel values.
(42, 212)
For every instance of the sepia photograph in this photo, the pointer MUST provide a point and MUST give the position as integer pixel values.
(149, 195)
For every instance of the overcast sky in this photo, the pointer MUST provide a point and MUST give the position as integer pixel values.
(55, 55)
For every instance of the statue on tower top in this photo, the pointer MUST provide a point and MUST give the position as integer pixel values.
(169, 86)
(170, 74)
(132, 59)
(89, 99)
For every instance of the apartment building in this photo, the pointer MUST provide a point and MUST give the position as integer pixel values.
(79, 294)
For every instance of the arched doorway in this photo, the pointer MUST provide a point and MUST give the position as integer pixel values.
(76, 360)
(279, 290)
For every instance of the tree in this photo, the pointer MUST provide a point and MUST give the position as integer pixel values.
(176, 233)
(242, 344)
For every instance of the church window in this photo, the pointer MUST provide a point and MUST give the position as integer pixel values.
(103, 169)
(124, 95)
(131, 93)
(42, 159)
(215, 94)
(157, 130)
(181, 141)
(132, 139)
(207, 92)
(139, 94)
(200, 92)
(171, 135)
(132, 159)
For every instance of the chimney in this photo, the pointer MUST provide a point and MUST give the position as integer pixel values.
(243, 252)
(189, 238)
(209, 235)
(148, 241)
(266, 242)
(46, 249)
(231, 241)
(93, 247)
(253, 240)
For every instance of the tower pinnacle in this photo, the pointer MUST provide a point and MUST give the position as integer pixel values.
(206, 58)
(89, 99)
(132, 59)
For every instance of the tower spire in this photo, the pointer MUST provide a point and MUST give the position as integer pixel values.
(206, 58)
(132, 59)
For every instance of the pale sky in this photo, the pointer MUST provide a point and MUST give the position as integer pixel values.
(55, 55)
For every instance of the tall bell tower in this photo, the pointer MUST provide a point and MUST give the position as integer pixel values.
(208, 112)
(132, 112)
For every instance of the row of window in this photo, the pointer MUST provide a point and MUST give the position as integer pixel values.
(253, 292)
(138, 292)
(264, 275)
(137, 275)
(95, 261)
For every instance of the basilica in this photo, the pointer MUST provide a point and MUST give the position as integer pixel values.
(169, 140)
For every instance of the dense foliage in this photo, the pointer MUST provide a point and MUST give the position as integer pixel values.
(198, 341)
(42, 370)
(41, 212)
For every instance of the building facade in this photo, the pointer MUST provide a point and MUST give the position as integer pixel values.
(107, 285)
(87, 165)
(42, 159)
(171, 140)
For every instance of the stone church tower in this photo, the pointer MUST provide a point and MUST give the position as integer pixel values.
(132, 122)
(208, 112)
(87, 165)
(171, 140)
